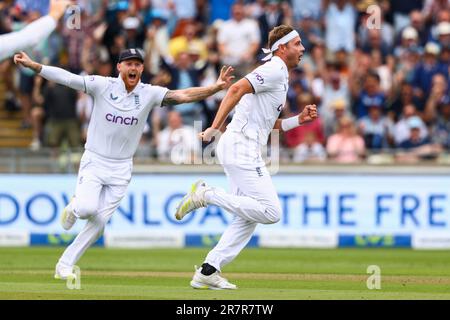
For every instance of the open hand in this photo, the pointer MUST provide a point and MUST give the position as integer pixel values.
(58, 8)
(225, 77)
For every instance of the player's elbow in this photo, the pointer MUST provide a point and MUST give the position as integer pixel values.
(237, 89)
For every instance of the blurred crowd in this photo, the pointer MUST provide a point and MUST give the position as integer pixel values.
(378, 74)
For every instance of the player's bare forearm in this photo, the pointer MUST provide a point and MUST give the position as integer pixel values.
(228, 104)
(234, 94)
(174, 97)
(33, 65)
(199, 93)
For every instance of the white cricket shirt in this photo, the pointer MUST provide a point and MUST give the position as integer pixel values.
(118, 118)
(256, 113)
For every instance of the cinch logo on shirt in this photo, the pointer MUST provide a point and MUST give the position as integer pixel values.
(121, 120)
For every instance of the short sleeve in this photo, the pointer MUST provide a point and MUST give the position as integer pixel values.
(264, 78)
(156, 95)
(94, 84)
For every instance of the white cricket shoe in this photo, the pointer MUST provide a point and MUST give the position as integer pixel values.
(64, 272)
(193, 200)
(68, 219)
(213, 282)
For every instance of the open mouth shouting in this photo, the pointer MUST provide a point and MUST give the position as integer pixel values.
(132, 76)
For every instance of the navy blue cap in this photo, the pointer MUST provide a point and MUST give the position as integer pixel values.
(131, 54)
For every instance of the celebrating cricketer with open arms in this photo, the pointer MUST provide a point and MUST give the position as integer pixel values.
(118, 118)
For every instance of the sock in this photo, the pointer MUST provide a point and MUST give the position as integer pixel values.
(207, 269)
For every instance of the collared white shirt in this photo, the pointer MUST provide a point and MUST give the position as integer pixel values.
(256, 113)
(118, 117)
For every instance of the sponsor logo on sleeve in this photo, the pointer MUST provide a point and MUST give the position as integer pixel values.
(259, 78)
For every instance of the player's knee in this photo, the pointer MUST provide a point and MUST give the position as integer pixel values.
(86, 210)
(273, 214)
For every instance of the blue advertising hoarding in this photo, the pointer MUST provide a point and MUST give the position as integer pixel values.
(357, 208)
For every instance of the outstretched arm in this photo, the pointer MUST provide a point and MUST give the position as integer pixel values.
(174, 97)
(33, 33)
(54, 74)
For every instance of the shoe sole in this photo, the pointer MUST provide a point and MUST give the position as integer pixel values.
(202, 286)
(63, 219)
(71, 276)
(194, 186)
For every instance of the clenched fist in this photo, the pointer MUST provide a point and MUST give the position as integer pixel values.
(308, 114)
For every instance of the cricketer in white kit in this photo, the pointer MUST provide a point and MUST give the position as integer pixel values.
(259, 98)
(120, 111)
(33, 33)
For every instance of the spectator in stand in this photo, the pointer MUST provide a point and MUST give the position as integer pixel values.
(178, 143)
(188, 39)
(426, 69)
(359, 69)
(404, 97)
(415, 147)
(310, 150)
(442, 18)
(401, 12)
(387, 31)
(409, 40)
(376, 42)
(440, 130)
(417, 22)
(370, 96)
(59, 115)
(156, 44)
(340, 22)
(443, 33)
(271, 17)
(309, 30)
(433, 8)
(335, 89)
(402, 127)
(439, 92)
(314, 7)
(184, 75)
(74, 39)
(346, 146)
(134, 33)
(238, 40)
(376, 129)
(338, 110)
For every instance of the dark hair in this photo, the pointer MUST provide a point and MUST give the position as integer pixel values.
(374, 75)
(277, 33)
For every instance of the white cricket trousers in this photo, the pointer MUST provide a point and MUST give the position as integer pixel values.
(101, 185)
(253, 198)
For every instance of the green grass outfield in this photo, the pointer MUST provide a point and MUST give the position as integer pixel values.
(27, 273)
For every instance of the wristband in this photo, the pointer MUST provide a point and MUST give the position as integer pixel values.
(289, 123)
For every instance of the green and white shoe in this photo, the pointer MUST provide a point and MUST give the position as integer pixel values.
(68, 219)
(193, 200)
(212, 282)
(64, 272)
